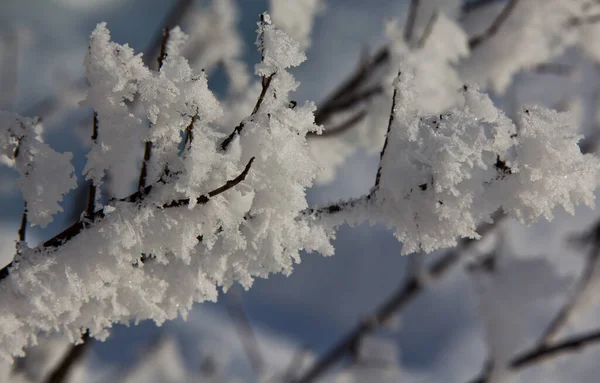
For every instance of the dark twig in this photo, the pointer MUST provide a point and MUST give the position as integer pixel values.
(342, 127)
(91, 202)
(411, 20)
(206, 197)
(173, 18)
(189, 133)
(398, 300)
(163, 47)
(578, 21)
(244, 327)
(148, 145)
(344, 102)
(266, 81)
(352, 85)
(428, 29)
(61, 372)
(542, 353)
(472, 6)
(387, 135)
(571, 344)
(474, 42)
(23, 227)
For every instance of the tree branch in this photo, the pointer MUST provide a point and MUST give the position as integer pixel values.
(387, 134)
(148, 145)
(543, 353)
(61, 372)
(206, 197)
(474, 42)
(351, 86)
(411, 20)
(266, 81)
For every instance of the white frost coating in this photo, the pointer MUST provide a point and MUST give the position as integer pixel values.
(433, 63)
(443, 175)
(279, 50)
(436, 77)
(172, 98)
(141, 261)
(296, 18)
(550, 168)
(45, 175)
(535, 32)
(113, 73)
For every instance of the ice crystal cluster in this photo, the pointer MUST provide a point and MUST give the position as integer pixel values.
(219, 208)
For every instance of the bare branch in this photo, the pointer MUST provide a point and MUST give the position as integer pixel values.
(266, 81)
(91, 202)
(474, 42)
(387, 135)
(163, 47)
(342, 127)
(541, 354)
(352, 85)
(428, 29)
(206, 197)
(411, 20)
(148, 145)
(472, 6)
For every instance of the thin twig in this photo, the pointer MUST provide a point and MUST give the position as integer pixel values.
(173, 18)
(411, 20)
(206, 197)
(387, 135)
(474, 42)
(352, 85)
(91, 202)
(342, 127)
(428, 29)
(148, 145)
(266, 81)
(471, 6)
(347, 101)
(571, 344)
(23, 227)
(163, 47)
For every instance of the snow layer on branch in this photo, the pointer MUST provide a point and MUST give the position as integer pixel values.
(113, 73)
(296, 18)
(279, 50)
(45, 175)
(443, 175)
(433, 62)
(550, 168)
(146, 261)
(174, 99)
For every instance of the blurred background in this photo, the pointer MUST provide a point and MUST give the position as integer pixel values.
(446, 332)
